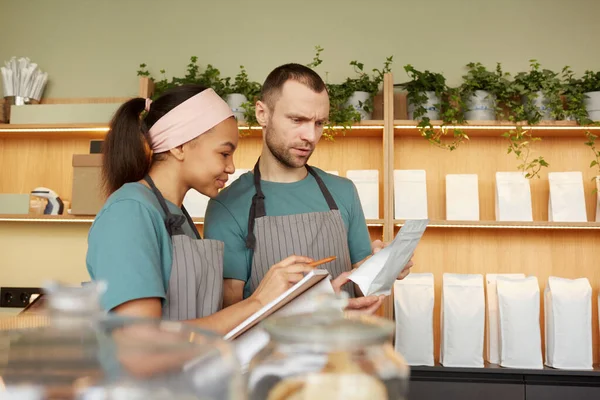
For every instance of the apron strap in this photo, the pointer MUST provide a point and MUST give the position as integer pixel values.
(173, 222)
(258, 210)
(191, 222)
(328, 197)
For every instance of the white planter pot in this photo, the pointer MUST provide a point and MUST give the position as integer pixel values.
(235, 101)
(481, 106)
(356, 100)
(592, 105)
(541, 103)
(431, 105)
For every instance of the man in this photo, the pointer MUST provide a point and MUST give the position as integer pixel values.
(286, 207)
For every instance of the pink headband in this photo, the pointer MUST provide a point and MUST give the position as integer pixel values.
(189, 120)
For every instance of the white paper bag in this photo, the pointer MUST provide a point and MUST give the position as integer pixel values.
(492, 337)
(568, 312)
(513, 197)
(462, 197)
(195, 203)
(414, 298)
(367, 186)
(410, 194)
(377, 275)
(462, 321)
(566, 202)
(519, 310)
(235, 176)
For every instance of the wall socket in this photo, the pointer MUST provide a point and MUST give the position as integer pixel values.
(17, 297)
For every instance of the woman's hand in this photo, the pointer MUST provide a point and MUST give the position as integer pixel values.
(281, 277)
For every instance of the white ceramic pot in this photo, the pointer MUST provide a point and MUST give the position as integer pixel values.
(541, 103)
(481, 106)
(235, 101)
(592, 105)
(356, 100)
(431, 105)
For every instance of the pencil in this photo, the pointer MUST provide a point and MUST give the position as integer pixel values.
(322, 261)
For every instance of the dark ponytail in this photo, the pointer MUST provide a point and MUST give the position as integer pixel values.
(126, 148)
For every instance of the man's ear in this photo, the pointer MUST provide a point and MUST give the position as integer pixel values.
(262, 113)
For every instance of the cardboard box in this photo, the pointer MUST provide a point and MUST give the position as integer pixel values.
(88, 195)
(14, 203)
(63, 113)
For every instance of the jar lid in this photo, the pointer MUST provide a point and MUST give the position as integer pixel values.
(330, 329)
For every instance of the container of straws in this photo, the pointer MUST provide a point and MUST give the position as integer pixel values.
(23, 83)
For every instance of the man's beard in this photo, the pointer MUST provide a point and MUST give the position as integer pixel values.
(283, 154)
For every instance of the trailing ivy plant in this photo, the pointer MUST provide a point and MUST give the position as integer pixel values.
(575, 94)
(342, 114)
(250, 89)
(450, 107)
(528, 84)
(478, 77)
(519, 107)
(210, 77)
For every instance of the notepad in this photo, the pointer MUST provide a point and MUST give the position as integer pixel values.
(310, 280)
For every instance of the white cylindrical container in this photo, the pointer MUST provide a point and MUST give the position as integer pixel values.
(431, 105)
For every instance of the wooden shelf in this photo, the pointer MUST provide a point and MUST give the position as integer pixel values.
(510, 225)
(496, 128)
(371, 128)
(53, 131)
(90, 219)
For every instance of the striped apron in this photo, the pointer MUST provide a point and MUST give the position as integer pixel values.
(316, 235)
(195, 287)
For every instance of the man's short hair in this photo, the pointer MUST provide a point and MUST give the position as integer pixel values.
(273, 85)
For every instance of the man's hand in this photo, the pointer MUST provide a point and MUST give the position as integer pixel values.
(377, 245)
(365, 304)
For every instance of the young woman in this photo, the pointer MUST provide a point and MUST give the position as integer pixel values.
(143, 243)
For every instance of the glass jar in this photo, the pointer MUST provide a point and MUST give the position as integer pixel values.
(71, 349)
(329, 355)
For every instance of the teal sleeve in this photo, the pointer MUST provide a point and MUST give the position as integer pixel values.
(359, 240)
(124, 251)
(219, 224)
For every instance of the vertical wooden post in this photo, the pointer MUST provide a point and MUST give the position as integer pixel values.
(388, 174)
(146, 87)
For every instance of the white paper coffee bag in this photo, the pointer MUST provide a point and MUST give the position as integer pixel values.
(519, 310)
(566, 202)
(462, 321)
(462, 197)
(367, 186)
(410, 194)
(492, 337)
(414, 298)
(568, 312)
(513, 197)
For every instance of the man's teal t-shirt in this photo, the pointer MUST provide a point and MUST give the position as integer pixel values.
(129, 246)
(227, 215)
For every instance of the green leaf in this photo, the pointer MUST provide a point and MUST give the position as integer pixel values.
(594, 163)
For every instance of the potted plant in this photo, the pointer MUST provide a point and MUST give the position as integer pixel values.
(540, 93)
(241, 95)
(480, 91)
(210, 77)
(429, 98)
(590, 86)
(363, 88)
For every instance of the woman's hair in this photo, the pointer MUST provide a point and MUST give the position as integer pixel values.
(127, 149)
